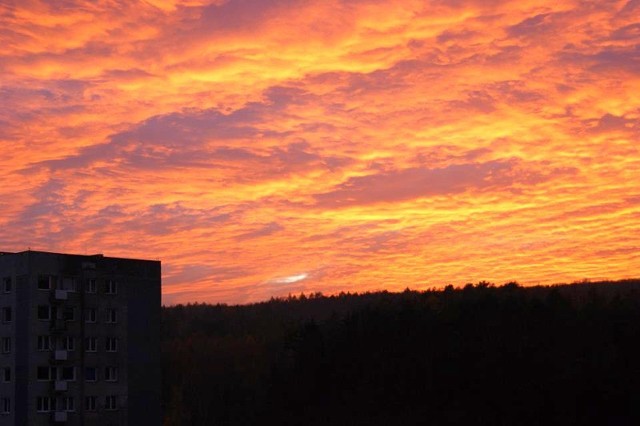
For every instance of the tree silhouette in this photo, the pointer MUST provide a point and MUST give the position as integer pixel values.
(480, 355)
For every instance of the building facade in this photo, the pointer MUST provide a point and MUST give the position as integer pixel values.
(79, 340)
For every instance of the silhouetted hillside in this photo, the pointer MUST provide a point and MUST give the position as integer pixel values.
(480, 355)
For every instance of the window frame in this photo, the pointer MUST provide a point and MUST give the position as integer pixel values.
(49, 280)
(111, 402)
(44, 339)
(69, 343)
(95, 375)
(91, 315)
(69, 284)
(7, 314)
(90, 403)
(111, 287)
(51, 373)
(39, 307)
(111, 373)
(44, 404)
(112, 316)
(5, 407)
(67, 369)
(6, 345)
(91, 344)
(91, 286)
(7, 282)
(111, 344)
(66, 403)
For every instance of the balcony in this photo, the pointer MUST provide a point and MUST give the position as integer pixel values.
(60, 386)
(61, 295)
(60, 355)
(60, 417)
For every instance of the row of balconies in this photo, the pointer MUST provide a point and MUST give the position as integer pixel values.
(60, 416)
(63, 385)
(58, 386)
(89, 285)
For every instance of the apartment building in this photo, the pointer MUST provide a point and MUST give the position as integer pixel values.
(79, 340)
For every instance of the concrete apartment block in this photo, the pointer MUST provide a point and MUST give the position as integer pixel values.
(79, 340)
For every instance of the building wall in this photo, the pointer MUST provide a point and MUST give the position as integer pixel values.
(144, 365)
(137, 358)
(8, 271)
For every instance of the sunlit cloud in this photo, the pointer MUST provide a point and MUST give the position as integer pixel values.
(375, 145)
(290, 279)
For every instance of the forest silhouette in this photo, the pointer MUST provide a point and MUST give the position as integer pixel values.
(477, 355)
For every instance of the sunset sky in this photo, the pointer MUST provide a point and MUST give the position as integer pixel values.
(266, 147)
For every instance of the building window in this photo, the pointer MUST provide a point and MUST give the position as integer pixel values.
(45, 373)
(111, 287)
(6, 314)
(112, 344)
(90, 285)
(6, 284)
(91, 315)
(90, 403)
(6, 345)
(111, 374)
(69, 284)
(44, 312)
(45, 282)
(68, 374)
(68, 343)
(5, 405)
(90, 344)
(69, 314)
(43, 404)
(90, 374)
(6, 374)
(111, 402)
(44, 343)
(66, 403)
(112, 316)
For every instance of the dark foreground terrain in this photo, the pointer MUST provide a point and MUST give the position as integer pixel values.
(481, 355)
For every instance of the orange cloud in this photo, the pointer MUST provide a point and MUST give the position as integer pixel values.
(260, 148)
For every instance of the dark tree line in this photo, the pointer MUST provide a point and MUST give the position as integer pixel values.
(480, 355)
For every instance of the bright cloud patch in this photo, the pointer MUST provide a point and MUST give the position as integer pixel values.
(384, 144)
(290, 279)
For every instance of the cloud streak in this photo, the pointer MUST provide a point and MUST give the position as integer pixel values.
(402, 185)
(385, 144)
